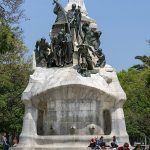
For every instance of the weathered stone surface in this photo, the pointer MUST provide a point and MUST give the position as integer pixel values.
(64, 110)
(44, 79)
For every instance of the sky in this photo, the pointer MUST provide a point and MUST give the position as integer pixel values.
(125, 26)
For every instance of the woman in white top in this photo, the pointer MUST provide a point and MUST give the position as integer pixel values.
(5, 142)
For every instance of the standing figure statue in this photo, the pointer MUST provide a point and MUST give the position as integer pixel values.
(69, 48)
(59, 48)
(42, 50)
(59, 11)
(79, 32)
(74, 20)
(62, 41)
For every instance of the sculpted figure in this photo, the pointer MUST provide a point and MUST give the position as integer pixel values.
(85, 63)
(74, 19)
(59, 49)
(92, 37)
(95, 38)
(83, 54)
(62, 48)
(101, 58)
(78, 31)
(42, 50)
(68, 48)
(59, 11)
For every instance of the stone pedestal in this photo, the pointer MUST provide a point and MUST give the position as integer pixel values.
(64, 110)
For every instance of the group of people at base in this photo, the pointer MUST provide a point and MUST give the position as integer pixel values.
(6, 144)
(96, 143)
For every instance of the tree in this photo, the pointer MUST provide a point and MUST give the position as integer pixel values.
(14, 67)
(135, 82)
(12, 48)
(13, 80)
(2, 12)
(11, 11)
(145, 62)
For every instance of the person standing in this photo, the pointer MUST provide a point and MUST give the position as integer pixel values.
(5, 142)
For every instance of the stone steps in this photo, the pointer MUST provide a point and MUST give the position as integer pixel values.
(49, 147)
(82, 140)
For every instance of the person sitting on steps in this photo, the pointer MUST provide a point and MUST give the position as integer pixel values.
(92, 142)
(114, 143)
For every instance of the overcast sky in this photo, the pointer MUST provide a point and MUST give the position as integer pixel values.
(125, 26)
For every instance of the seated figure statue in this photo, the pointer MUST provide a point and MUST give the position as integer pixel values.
(85, 62)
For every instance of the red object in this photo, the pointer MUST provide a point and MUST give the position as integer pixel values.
(123, 148)
(93, 140)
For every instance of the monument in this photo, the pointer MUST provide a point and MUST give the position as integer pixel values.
(73, 95)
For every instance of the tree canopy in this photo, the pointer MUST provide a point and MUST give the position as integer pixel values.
(14, 67)
(13, 80)
(11, 10)
(136, 83)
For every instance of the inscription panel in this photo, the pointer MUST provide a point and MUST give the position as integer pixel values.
(63, 115)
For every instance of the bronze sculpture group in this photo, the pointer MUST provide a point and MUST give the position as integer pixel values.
(70, 35)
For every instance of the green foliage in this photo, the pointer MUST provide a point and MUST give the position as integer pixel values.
(11, 44)
(14, 74)
(14, 70)
(1, 147)
(13, 80)
(7, 39)
(137, 107)
(11, 10)
(145, 62)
